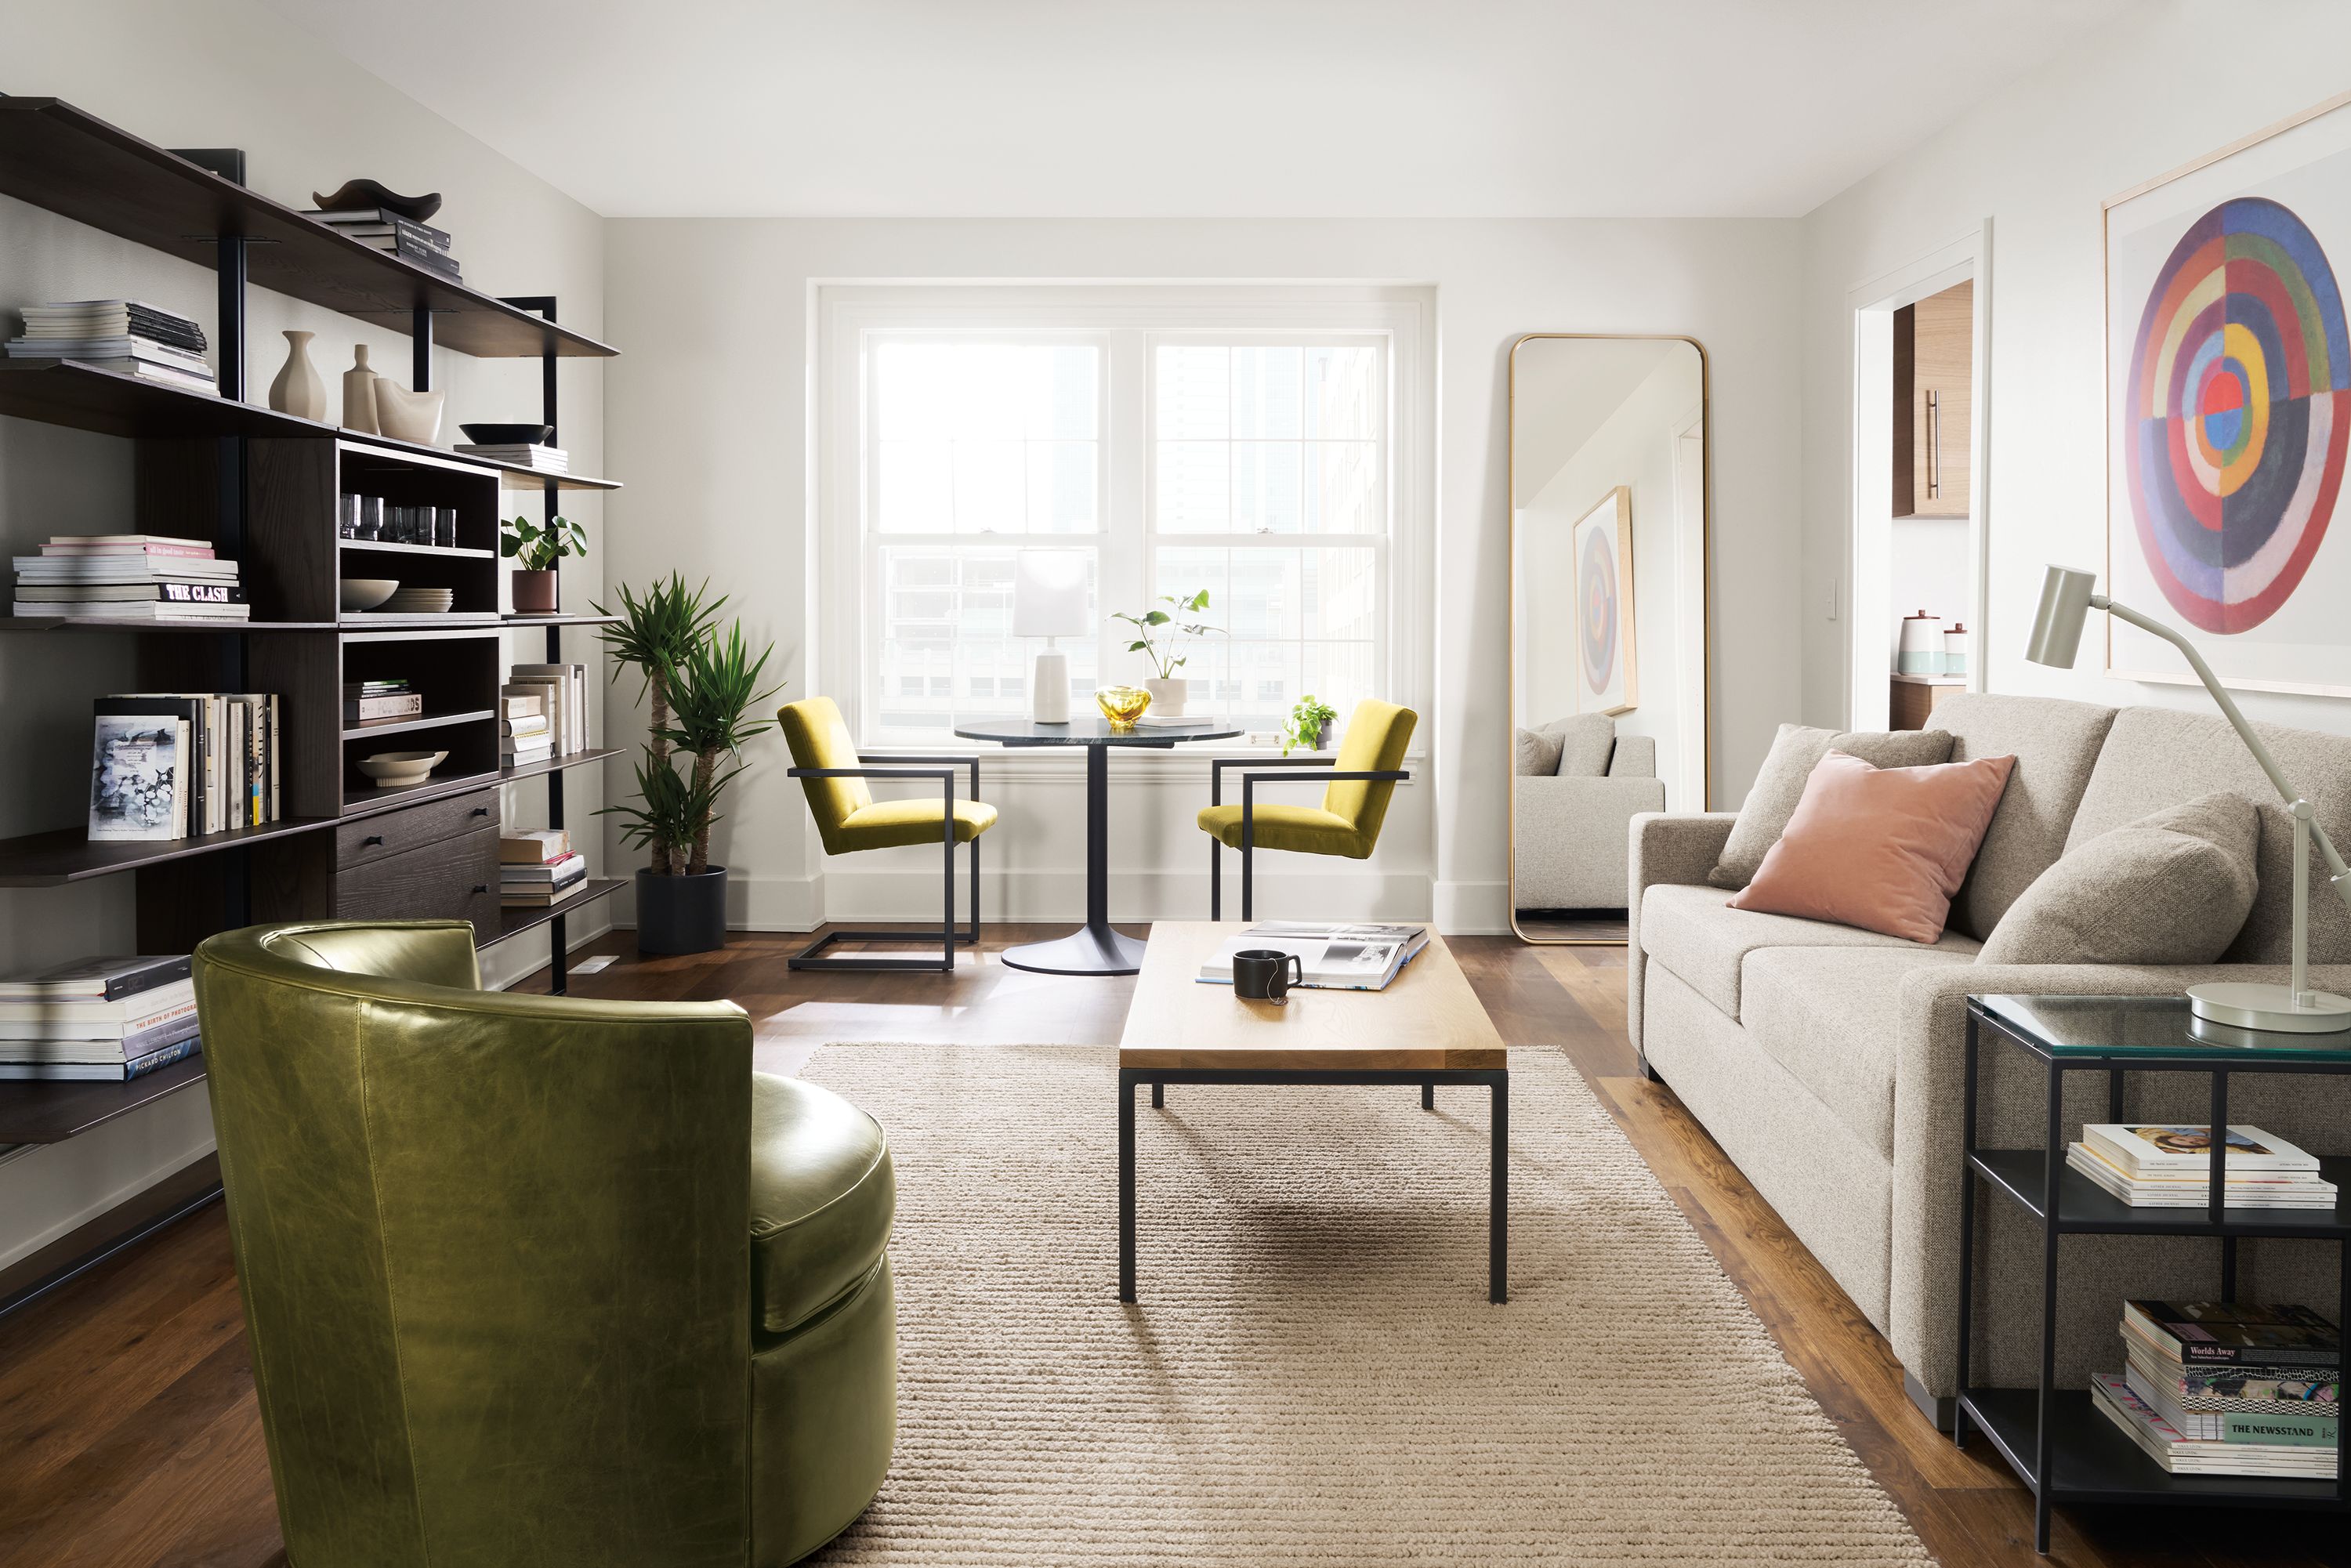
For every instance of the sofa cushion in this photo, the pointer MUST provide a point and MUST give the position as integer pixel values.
(2055, 744)
(1830, 1016)
(1693, 932)
(1585, 743)
(1779, 784)
(1536, 755)
(2170, 888)
(1880, 847)
(2155, 758)
(822, 1194)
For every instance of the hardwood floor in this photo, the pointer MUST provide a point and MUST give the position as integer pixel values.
(129, 1435)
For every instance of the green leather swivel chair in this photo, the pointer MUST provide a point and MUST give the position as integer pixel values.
(540, 1279)
(1356, 794)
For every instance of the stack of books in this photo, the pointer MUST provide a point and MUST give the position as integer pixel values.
(562, 693)
(166, 765)
(404, 238)
(130, 577)
(2165, 1165)
(539, 869)
(368, 702)
(118, 335)
(2222, 1388)
(546, 459)
(524, 737)
(98, 1019)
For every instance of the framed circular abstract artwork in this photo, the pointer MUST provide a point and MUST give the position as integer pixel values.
(1605, 656)
(2229, 408)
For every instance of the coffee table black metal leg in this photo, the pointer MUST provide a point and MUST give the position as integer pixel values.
(1158, 1096)
(1126, 1082)
(1428, 1094)
(1498, 1222)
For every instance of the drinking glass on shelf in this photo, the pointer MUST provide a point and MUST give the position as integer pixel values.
(347, 516)
(404, 524)
(371, 519)
(444, 525)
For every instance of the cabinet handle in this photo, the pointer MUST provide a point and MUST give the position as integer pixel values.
(480, 887)
(1934, 446)
(481, 810)
(371, 839)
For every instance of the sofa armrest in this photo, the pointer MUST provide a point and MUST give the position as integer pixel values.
(1667, 848)
(1929, 1090)
(1635, 756)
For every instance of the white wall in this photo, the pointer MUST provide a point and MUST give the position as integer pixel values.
(2038, 160)
(709, 415)
(224, 73)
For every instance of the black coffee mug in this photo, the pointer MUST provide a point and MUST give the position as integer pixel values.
(1263, 975)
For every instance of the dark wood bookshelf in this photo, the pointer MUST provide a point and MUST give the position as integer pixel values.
(368, 729)
(512, 773)
(117, 623)
(59, 157)
(51, 1113)
(515, 922)
(69, 854)
(382, 547)
(562, 619)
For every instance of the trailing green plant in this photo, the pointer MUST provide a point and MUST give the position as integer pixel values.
(1168, 660)
(1307, 718)
(654, 634)
(537, 547)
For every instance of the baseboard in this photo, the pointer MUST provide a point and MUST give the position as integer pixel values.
(183, 1192)
(1472, 908)
(1941, 1412)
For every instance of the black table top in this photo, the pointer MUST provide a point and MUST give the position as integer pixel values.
(1087, 730)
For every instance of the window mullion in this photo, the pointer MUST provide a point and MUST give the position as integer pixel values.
(1125, 583)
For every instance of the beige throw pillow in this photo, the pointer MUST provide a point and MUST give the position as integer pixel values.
(1796, 751)
(2171, 888)
(1538, 753)
(1585, 744)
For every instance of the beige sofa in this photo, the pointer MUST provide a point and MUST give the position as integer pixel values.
(1567, 830)
(1828, 1063)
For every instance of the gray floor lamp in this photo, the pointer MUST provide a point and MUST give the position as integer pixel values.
(2065, 604)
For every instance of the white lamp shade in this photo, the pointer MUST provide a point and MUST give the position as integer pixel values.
(1049, 593)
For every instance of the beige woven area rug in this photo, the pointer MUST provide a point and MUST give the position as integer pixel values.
(1313, 1374)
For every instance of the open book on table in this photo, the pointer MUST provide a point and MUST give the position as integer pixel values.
(1338, 957)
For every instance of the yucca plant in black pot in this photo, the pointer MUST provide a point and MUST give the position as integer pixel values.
(704, 687)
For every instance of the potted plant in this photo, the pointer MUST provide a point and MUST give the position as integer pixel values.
(1310, 723)
(535, 550)
(703, 686)
(1168, 692)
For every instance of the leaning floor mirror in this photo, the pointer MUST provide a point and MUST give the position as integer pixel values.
(1608, 616)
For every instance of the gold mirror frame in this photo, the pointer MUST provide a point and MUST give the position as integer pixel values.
(1705, 602)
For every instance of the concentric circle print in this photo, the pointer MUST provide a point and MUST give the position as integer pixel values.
(1596, 610)
(2236, 413)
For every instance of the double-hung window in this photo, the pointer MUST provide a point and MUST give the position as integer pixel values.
(1256, 458)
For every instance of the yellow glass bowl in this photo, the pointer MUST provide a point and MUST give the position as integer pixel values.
(1122, 704)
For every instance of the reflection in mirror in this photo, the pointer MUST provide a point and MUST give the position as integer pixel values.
(1608, 654)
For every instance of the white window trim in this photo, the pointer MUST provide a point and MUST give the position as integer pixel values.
(1127, 317)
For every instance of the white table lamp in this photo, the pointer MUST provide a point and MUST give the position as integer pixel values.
(2065, 603)
(1049, 600)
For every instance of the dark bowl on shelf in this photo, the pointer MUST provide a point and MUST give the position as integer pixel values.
(507, 434)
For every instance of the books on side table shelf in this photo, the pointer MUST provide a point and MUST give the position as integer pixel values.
(124, 336)
(97, 1019)
(172, 764)
(546, 459)
(368, 702)
(561, 693)
(1349, 957)
(2168, 1165)
(388, 231)
(539, 869)
(2226, 1388)
(130, 577)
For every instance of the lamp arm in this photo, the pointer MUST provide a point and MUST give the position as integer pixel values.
(2341, 874)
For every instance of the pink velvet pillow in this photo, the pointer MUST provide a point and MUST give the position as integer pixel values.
(1879, 848)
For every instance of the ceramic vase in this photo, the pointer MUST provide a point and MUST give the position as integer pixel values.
(358, 395)
(1167, 696)
(298, 390)
(406, 415)
(535, 592)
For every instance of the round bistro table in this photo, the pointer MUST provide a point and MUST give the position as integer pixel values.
(1094, 948)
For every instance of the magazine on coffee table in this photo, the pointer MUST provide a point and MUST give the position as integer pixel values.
(1346, 956)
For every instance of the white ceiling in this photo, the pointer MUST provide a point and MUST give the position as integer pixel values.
(1200, 108)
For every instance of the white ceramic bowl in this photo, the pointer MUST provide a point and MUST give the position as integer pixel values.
(397, 769)
(367, 592)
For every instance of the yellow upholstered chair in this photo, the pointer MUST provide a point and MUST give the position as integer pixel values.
(1362, 777)
(849, 819)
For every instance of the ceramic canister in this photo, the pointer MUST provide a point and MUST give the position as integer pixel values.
(1920, 651)
(1955, 650)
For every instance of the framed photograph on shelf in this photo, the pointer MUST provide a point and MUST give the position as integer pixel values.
(2229, 409)
(1602, 544)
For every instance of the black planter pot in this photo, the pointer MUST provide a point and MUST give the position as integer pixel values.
(682, 914)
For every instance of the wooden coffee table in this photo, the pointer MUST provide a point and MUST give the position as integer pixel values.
(1426, 1027)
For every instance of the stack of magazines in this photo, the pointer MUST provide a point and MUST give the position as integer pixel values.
(130, 577)
(1337, 956)
(521, 454)
(98, 1019)
(396, 233)
(2222, 1388)
(120, 335)
(2169, 1164)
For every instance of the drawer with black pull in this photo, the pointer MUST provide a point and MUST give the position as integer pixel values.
(395, 832)
(455, 879)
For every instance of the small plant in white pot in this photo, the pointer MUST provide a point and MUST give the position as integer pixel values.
(1162, 643)
(535, 549)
